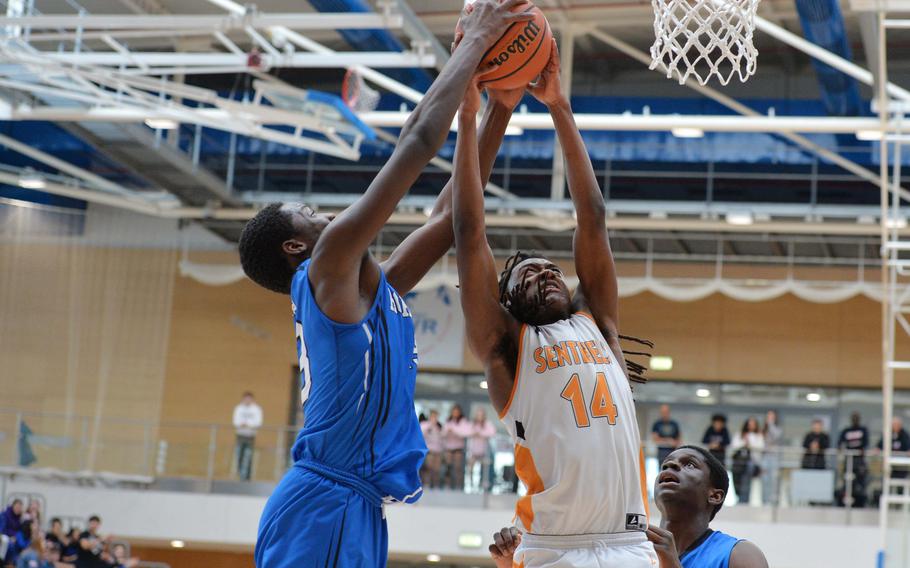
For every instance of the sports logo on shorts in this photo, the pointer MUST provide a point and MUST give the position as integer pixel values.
(636, 522)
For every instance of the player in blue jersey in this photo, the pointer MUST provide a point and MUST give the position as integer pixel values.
(361, 446)
(689, 492)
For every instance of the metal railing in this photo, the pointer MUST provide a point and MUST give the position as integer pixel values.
(137, 450)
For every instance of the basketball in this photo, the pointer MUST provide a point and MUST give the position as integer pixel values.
(520, 54)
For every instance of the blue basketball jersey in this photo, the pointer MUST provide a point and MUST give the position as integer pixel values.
(713, 552)
(358, 391)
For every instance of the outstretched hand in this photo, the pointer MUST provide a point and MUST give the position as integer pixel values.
(506, 98)
(504, 544)
(548, 88)
(487, 20)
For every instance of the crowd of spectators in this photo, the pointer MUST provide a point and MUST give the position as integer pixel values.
(449, 443)
(755, 451)
(26, 543)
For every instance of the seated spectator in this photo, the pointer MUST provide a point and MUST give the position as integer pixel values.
(57, 534)
(91, 546)
(70, 551)
(717, 437)
(19, 543)
(33, 513)
(121, 559)
(36, 555)
(11, 520)
(816, 443)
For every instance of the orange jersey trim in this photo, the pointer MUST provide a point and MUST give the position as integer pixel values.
(527, 472)
(589, 316)
(521, 346)
(644, 482)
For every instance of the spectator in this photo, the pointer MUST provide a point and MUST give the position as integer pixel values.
(747, 447)
(770, 463)
(717, 438)
(432, 465)
(247, 420)
(19, 543)
(457, 428)
(900, 442)
(121, 559)
(479, 445)
(70, 551)
(666, 434)
(816, 443)
(33, 513)
(855, 438)
(11, 520)
(35, 556)
(91, 546)
(56, 534)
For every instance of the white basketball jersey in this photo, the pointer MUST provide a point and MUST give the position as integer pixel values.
(577, 445)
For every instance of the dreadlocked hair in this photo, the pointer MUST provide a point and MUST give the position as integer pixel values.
(636, 370)
(260, 250)
(521, 311)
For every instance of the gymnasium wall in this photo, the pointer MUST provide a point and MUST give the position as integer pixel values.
(96, 321)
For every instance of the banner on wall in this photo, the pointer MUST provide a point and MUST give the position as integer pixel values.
(438, 326)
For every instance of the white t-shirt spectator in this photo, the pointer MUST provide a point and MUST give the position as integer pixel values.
(480, 436)
(247, 419)
(454, 433)
(432, 435)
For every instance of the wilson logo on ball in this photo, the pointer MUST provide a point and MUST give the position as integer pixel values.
(519, 45)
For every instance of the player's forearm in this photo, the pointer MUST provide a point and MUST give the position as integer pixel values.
(427, 128)
(467, 198)
(492, 131)
(583, 186)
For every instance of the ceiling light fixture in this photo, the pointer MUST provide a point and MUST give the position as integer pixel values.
(702, 393)
(813, 397)
(30, 179)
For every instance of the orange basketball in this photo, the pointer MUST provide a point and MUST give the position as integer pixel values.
(520, 54)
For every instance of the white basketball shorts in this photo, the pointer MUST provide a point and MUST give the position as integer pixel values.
(623, 550)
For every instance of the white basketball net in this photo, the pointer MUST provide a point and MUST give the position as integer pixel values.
(359, 96)
(704, 38)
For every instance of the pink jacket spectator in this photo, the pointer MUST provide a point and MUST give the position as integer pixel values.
(479, 440)
(454, 434)
(432, 435)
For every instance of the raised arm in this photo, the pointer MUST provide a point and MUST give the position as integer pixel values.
(335, 270)
(423, 248)
(593, 257)
(487, 323)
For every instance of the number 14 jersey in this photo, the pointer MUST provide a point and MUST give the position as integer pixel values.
(577, 444)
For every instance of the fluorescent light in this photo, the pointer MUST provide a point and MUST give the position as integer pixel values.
(470, 540)
(32, 180)
(483, 385)
(658, 215)
(433, 558)
(178, 544)
(661, 363)
(428, 210)
(813, 397)
(161, 123)
(514, 131)
(740, 218)
(868, 135)
(891, 223)
(688, 132)
(702, 393)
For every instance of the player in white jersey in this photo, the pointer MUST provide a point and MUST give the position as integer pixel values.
(556, 375)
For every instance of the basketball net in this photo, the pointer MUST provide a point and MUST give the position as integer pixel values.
(704, 39)
(355, 92)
